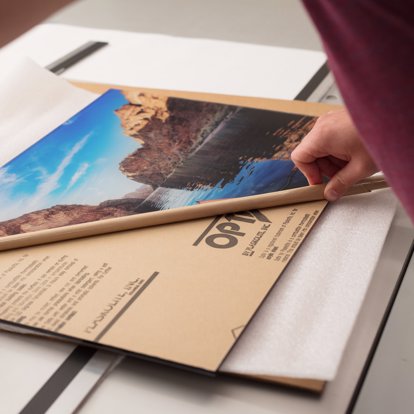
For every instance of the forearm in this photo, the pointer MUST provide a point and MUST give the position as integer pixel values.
(370, 49)
(17, 16)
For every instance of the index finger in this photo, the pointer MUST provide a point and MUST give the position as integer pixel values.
(307, 164)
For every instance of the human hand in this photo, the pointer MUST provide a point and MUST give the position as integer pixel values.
(333, 149)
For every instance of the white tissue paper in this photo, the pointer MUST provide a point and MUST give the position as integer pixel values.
(33, 103)
(302, 328)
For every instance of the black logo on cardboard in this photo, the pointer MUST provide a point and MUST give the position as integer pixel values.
(224, 232)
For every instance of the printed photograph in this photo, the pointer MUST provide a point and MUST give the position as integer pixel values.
(130, 153)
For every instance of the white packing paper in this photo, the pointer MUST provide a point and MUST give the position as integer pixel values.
(33, 103)
(172, 63)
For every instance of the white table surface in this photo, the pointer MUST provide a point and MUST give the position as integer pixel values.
(136, 386)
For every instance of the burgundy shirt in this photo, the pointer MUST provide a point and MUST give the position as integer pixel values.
(370, 48)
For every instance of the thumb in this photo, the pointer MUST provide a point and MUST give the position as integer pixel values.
(343, 179)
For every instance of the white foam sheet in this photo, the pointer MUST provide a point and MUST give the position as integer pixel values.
(33, 103)
(302, 328)
(168, 62)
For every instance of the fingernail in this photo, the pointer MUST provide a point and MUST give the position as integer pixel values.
(332, 195)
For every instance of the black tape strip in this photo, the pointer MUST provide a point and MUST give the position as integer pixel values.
(59, 66)
(61, 378)
(313, 83)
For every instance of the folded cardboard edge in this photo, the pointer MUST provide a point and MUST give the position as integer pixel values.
(308, 384)
(283, 105)
(209, 209)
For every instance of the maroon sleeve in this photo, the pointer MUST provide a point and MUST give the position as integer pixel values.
(370, 48)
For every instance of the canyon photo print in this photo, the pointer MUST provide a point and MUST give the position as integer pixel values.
(131, 152)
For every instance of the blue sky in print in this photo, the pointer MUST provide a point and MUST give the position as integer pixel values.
(77, 163)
